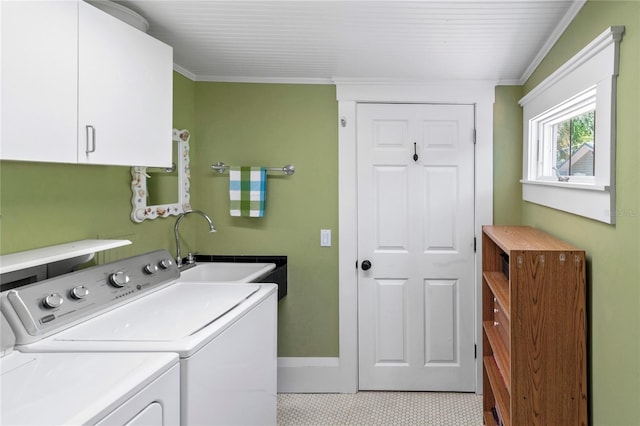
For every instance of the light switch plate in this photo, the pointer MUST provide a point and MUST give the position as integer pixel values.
(325, 238)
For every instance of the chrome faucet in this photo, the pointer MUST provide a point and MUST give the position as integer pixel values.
(212, 228)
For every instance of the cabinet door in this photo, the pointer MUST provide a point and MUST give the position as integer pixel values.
(125, 93)
(39, 81)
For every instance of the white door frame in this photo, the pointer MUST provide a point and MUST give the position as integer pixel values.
(348, 94)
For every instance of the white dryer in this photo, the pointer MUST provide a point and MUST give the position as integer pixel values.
(87, 388)
(224, 334)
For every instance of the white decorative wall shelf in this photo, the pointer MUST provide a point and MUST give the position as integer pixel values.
(42, 256)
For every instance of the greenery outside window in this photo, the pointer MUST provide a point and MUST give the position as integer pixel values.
(569, 133)
(574, 145)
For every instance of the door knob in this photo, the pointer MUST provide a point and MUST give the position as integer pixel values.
(366, 265)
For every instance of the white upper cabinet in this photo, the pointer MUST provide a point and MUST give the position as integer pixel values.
(124, 92)
(80, 86)
(39, 81)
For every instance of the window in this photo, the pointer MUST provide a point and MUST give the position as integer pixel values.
(569, 125)
(574, 146)
(565, 141)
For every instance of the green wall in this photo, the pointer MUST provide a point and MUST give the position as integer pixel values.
(44, 204)
(507, 156)
(613, 252)
(273, 125)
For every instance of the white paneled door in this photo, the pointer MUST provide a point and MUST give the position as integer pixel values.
(416, 247)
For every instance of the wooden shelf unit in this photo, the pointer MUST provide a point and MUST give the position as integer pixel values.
(534, 329)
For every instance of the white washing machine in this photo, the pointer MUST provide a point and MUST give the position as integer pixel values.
(87, 388)
(224, 334)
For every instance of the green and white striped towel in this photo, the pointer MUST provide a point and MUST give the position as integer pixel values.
(247, 191)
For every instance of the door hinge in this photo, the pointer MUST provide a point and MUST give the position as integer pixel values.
(475, 245)
(475, 351)
(475, 136)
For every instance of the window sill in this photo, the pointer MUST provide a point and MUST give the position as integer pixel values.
(592, 201)
(567, 185)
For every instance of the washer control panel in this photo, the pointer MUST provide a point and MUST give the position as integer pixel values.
(51, 305)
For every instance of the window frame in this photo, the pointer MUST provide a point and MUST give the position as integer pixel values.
(544, 124)
(589, 76)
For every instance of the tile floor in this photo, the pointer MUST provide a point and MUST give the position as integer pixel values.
(380, 408)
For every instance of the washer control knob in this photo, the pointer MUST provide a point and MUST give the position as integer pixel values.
(52, 301)
(150, 269)
(166, 263)
(118, 279)
(79, 292)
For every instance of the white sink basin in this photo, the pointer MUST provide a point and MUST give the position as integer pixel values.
(226, 272)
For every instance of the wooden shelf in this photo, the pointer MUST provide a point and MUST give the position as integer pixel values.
(534, 329)
(499, 286)
(500, 353)
(500, 392)
(519, 238)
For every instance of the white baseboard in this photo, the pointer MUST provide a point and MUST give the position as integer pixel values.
(309, 375)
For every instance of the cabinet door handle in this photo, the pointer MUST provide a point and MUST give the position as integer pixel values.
(91, 138)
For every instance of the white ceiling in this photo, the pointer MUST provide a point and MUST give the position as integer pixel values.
(322, 41)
